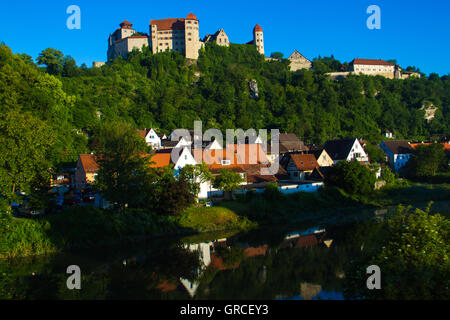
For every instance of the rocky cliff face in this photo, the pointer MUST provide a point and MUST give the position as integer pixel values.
(430, 110)
(254, 91)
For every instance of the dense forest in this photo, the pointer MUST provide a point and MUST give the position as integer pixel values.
(166, 91)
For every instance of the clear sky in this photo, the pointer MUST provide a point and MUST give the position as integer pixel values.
(414, 32)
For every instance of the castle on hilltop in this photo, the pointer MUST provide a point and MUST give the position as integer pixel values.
(177, 34)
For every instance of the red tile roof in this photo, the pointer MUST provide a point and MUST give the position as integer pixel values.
(445, 145)
(191, 16)
(304, 162)
(254, 252)
(371, 62)
(126, 25)
(89, 163)
(242, 155)
(257, 28)
(306, 241)
(160, 160)
(166, 286)
(169, 24)
(142, 133)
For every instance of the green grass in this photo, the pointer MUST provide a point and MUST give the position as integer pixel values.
(85, 228)
(208, 219)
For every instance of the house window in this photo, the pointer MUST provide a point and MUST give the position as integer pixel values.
(226, 162)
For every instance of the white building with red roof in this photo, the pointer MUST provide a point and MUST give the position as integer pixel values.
(373, 67)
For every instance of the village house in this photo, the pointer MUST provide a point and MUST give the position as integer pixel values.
(323, 158)
(346, 150)
(151, 138)
(398, 152)
(164, 158)
(86, 170)
(300, 166)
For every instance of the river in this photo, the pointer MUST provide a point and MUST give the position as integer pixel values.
(308, 262)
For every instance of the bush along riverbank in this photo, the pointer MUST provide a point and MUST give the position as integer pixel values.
(85, 227)
(272, 208)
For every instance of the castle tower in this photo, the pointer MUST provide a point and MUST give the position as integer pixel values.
(114, 47)
(192, 36)
(258, 39)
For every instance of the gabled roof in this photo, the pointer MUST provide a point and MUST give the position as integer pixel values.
(304, 162)
(142, 133)
(288, 137)
(372, 62)
(89, 163)
(339, 149)
(297, 56)
(398, 146)
(317, 152)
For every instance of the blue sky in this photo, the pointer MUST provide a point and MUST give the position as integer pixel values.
(413, 32)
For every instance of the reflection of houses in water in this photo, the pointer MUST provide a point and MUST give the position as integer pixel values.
(209, 257)
(304, 239)
(204, 251)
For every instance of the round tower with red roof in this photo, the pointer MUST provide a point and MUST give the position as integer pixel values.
(258, 39)
(192, 36)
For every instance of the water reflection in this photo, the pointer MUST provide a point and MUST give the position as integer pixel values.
(305, 264)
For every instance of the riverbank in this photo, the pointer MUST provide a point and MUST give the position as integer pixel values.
(85, 228)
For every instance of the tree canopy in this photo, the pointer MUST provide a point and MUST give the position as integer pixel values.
(353, 177)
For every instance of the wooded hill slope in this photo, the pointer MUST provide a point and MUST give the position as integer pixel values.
(165, 91)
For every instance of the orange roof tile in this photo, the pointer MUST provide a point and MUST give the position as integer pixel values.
(142, 133)
(445, 145)
(89, 163)
(169, 24)
(191, 16)
(373, 62)
(160, 160)
(253, 252)
(239, 155)
(257, 28)
(166, 286)
(305, 161)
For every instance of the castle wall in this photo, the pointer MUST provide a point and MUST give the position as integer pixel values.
(137, 43)
(300, 64)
